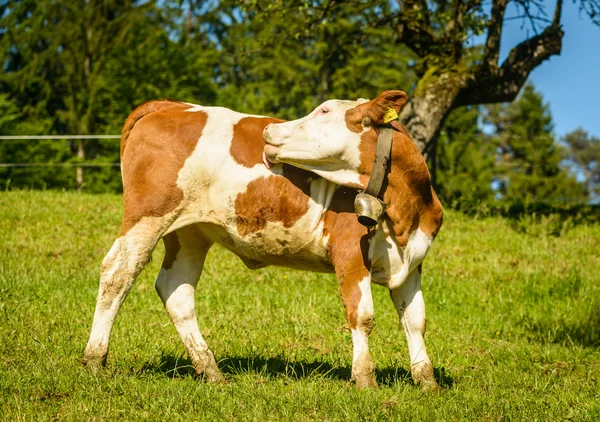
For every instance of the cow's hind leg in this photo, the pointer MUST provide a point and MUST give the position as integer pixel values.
(121, 266)
(185, 252)
(410, 306)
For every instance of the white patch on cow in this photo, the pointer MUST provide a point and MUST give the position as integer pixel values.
(392, 264)
(360, 337)
(176, 287)
(321, 194)
(121, 265)
(210, 177)
(409, 303)
(360, 344)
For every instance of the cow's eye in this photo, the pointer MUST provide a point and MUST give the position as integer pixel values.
(324, 110)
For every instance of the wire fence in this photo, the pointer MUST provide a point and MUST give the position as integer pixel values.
(59, 164)
(33, 137)
(78, 160)
(58, 138)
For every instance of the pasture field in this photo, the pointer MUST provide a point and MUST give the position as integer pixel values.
(513, 329)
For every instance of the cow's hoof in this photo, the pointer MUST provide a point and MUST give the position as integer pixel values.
(362, 383)
(429, 386)
(422, 375)
(213, 375)
(363, 372)
(94, 363)
(206, 367)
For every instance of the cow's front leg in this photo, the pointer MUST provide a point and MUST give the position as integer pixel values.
(410, 306)
(355, 288)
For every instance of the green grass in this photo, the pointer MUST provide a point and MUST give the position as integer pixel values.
(513, 328)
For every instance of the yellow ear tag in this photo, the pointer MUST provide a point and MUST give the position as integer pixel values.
(390, 115)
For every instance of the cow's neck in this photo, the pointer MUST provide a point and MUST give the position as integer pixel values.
(406, 189)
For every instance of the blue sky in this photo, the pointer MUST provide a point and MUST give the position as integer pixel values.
(570, 83)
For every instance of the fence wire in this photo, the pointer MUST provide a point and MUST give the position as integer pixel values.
(32, 137)
(58, 138)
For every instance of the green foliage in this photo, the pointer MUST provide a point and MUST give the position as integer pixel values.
(293, 58)
(82, 70)
(508, 158)
(529, 158)
(75, 68)
(584, 158)
(512, 328)
(465, 161)
(12, 122)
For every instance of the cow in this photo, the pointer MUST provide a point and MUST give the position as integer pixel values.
(274, 193)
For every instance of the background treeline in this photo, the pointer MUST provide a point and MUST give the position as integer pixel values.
(81, 67)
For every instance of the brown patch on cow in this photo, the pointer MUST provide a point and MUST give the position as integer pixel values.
(141, 111)
(247, 144)
(157, 147)
(349, 250)
(172, 247)
(410, 199)
(270, 199)
(354, 119)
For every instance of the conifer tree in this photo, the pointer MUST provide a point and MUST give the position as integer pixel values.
(466, 161)
(585, 158)
(529, 158)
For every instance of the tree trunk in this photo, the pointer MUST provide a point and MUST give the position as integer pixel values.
(434, 97)
(447, 83)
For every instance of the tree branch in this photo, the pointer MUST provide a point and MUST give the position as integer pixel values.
(492, 85)
(557, 13)
(492, 44)
(413, 28)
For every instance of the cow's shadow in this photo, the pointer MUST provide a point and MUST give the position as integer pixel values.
(174, 366)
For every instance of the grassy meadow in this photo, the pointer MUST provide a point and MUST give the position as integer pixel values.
(513, 328)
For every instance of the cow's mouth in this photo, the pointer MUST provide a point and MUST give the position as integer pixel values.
(268, 163)
(269, 155)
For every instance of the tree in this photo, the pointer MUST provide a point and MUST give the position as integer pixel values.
(71, 42)
(12, 122)
(267, 62)
(466, 165)
(585, 158)
(450, 72)
(80, 68)
(529, 159)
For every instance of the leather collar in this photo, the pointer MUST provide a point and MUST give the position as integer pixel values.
(367, 205)
(382, 157)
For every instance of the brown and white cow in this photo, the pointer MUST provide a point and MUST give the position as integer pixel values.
(273, 193)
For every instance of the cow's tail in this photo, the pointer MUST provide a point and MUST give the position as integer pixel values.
(141, 111)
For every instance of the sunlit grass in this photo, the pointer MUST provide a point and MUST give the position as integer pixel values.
(513, 328)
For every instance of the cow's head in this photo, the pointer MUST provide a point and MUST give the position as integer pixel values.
(328, 140)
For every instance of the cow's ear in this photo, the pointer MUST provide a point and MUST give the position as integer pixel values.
(385, 108)
(382, 110)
